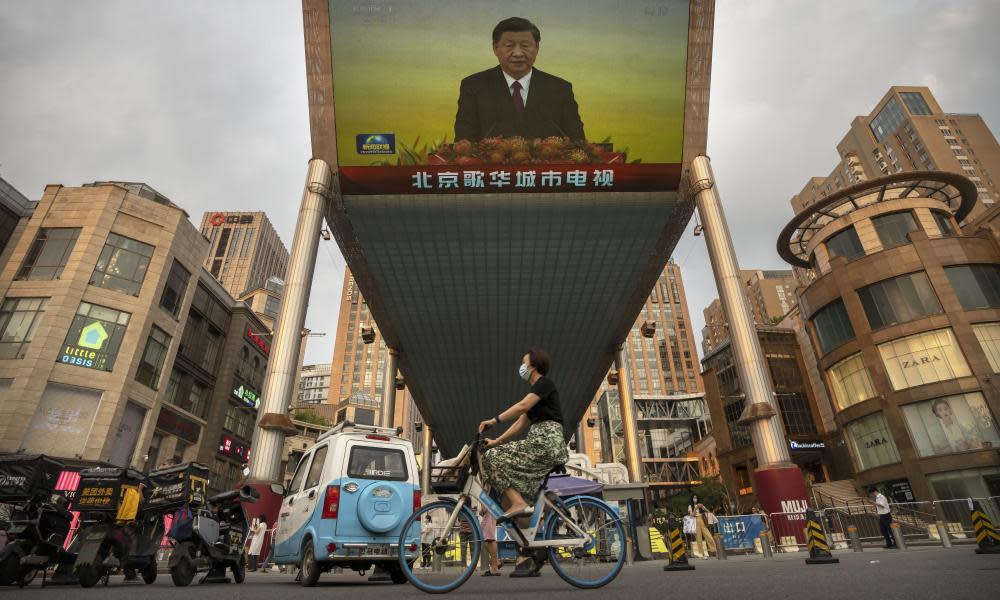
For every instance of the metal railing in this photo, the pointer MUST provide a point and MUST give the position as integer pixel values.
(918, 521)
(672, 470)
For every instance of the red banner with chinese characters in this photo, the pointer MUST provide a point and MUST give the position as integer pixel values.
(487, 179)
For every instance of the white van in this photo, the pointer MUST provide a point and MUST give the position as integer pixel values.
(347, 503)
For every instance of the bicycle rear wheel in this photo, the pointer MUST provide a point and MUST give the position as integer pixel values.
(435, 559)
(597, 563)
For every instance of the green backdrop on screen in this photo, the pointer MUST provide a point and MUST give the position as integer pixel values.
(397, 68)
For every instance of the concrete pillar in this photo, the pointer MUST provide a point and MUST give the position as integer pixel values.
(427, 459)
(629, 428)
(389, 388)
(279, 381)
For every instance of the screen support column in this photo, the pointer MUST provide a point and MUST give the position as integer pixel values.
(629, 428)
(389, 388)
(280, 379)
(778, 482)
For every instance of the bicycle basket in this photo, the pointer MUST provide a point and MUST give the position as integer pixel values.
(448, 479)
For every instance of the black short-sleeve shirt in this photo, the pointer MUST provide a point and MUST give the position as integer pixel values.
(547, 408)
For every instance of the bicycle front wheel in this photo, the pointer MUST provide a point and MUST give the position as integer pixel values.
(434, 557)
(595, 564)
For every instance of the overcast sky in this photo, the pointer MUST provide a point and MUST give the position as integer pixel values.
(206, 102)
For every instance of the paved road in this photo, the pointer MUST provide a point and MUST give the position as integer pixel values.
(916, 574)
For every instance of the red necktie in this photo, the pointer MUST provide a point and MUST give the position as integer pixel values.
(518, 100)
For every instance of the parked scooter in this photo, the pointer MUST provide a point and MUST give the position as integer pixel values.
(213, 539)
(39, 521)
(116, 532)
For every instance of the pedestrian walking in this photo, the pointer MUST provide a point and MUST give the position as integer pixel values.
(884, 516)
(258, 529)
(703, 537)
(426, 539)
(489, 526)
(269, 559)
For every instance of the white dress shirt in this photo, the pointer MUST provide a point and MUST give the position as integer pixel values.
(881, 504)
(525, 83)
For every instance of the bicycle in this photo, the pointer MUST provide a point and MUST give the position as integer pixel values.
(581, 536)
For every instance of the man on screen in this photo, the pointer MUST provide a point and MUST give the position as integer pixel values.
(514, 98)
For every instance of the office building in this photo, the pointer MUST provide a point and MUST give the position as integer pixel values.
(909, 131)
(14, 210)
(314, 385)
(357, 369)
(117, 346)
(94, 295)
(212, 397)
(733, 458)
(245, 250)
(771, 294)
(661, 364)
(903, 314)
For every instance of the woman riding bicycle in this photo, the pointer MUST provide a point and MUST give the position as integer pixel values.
(518, 468)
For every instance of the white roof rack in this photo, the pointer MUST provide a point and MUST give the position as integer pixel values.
(349, 427)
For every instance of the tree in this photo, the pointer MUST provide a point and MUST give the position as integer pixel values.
(310, 416)
(712, 493)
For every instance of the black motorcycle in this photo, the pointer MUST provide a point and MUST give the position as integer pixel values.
(39, 521)
(116, 532)
(211, 539)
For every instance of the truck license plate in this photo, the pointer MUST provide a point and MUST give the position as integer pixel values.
(377, 550)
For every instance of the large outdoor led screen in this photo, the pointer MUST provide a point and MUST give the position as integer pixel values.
(486, 96)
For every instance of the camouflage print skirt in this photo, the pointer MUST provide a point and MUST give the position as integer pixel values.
(523, 464)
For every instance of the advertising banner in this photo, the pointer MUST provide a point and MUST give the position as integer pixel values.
(500, 96)
(741, 531)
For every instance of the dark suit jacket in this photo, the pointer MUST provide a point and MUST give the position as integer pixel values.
(486, 108)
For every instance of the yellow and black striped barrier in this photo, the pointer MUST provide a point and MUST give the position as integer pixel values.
(656, 541)
(987, 538)
(677, 552)
(819, 550)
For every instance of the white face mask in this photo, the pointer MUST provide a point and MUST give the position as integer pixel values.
(524, 371)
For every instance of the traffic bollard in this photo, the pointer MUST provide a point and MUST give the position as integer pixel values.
(987, 538)
(629, 547)
(819, 550)
(765, 544)
(897, 534)
(943, 534)
(676, 550)
(852, 533)
(720, 548)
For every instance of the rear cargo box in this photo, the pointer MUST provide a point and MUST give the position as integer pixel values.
(173, 487)
(111, 490)
(27, 476)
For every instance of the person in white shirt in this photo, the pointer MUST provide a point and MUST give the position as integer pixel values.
(884, 516)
